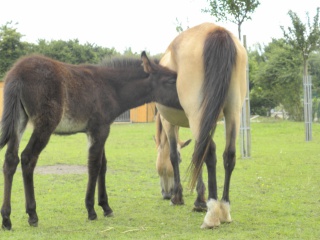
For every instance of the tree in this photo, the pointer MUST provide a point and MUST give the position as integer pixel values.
(179, 27)
(304, 38)
(236, 11)
(11, 47)
(72, 51)
(314, 64)
(314, 67)
(278, 81)
(261, 101)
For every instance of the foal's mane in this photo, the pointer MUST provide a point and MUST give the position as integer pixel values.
(125, 67)
(122, 62)
(134, 63)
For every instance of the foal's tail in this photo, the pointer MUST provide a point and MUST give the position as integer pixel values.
(219, 58)
(11, 112)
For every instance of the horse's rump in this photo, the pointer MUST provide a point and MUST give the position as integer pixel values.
(206, 60)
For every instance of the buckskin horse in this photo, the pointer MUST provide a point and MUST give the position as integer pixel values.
(60, 98)
(211, 82)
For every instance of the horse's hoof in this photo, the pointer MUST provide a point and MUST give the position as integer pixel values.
(176, 202)
(6, 224)
(218, 212)
(166, 195)
(199, 209)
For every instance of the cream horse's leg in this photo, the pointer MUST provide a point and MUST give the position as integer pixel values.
(219, 211)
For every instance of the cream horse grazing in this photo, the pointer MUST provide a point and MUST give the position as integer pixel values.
(164, 167)
(169, 146)
(211, 82)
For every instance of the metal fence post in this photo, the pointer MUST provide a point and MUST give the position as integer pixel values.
(245, 131)
(307, 92)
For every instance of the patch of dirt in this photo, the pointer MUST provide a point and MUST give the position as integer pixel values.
(61, 169)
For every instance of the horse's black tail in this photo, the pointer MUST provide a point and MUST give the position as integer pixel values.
(219, 58)
(11, 112)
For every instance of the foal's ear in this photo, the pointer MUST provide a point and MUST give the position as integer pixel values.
(146, 63)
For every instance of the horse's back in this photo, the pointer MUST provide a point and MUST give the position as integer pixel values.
(185, 55)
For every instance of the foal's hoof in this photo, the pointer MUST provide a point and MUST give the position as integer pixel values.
(33, 222)
(109, 214)
(92, 216)
(6, 224)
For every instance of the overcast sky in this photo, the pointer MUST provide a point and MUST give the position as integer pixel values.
(139, 24)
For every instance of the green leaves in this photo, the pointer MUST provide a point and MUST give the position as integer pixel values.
(236, 11)
(71, 51)
(276, 77)
(305, 37)
(11, 47)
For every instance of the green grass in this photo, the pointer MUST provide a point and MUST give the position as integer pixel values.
(274, 195)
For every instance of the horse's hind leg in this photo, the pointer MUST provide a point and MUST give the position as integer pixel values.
(219, 211)
(212, 218)
(102, 193)
(229, 159)
(200, 203)
(29, 158)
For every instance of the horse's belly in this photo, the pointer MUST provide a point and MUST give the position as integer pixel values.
(69, 126)
(174, 116)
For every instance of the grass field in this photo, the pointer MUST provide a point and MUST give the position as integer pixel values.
(274, 195)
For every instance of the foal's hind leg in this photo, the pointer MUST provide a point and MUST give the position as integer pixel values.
(9, 168)
(29, 158)
(97, 138)
(102, 192)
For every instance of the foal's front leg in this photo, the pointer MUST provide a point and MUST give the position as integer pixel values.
(96, 139)
(102, 192)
